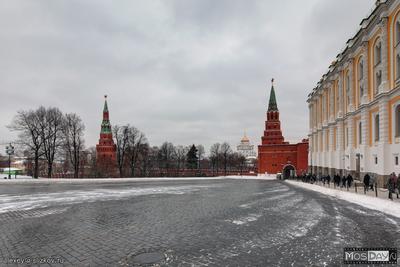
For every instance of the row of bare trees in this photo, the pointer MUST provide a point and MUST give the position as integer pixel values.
(49, 137)
(46, 133)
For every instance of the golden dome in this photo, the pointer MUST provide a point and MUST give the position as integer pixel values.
(245, 139)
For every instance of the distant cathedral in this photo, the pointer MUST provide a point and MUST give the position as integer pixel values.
(274, 154)
(106, 157)
(246, 149)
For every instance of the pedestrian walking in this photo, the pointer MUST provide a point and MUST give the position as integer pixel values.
(349, 180)
(344, 181)
(328, 179)
(372, 181)
(337, 180)
(398, 185)
(391, 185)
(366, 181)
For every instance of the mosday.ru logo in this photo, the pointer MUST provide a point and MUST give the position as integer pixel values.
(370, 255)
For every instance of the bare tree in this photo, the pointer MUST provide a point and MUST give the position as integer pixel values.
(215, 152)
(136, 141)
(166, 156)
(200, 154)
(180, 156)
(122, 136)
(73, 140)
(27, 123)
(51, 133)
(225, 152)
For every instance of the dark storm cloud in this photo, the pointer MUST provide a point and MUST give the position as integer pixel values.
(183, 71)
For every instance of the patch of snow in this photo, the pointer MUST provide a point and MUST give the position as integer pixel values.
(374, 203)
(245, 220)
(259, 177)
(43, 200)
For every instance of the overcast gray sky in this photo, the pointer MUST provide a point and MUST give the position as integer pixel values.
(186, 71)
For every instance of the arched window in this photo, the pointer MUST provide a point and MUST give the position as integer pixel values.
(397, 123)
(378, 53)
(337, 97)
(348, 88)
(397, 66)
(377, 66)
(360, 79)
(360, 132)
(397, 33)
(377, 127)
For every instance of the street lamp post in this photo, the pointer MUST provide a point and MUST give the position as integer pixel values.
(9, 151)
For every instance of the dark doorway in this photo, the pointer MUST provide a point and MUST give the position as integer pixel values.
(288, 172)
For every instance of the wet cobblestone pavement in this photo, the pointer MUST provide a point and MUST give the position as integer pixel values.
(191, 223)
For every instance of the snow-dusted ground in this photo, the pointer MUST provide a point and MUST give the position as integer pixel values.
(383, 205)
(22, 202)
(23, 179)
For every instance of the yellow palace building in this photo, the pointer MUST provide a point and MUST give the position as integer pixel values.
(355, 108)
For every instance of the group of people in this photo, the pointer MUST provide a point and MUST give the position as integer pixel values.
(369, 181)
(339, 181)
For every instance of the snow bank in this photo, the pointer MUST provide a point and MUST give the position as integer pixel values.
(374, 203)
(124, 180)
(260, 177)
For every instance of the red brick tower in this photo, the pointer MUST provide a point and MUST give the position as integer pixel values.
(274, 154)
(106, 149)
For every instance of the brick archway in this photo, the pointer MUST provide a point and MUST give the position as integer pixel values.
(288, 171)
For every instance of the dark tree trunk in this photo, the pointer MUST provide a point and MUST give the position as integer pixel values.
(36, 167)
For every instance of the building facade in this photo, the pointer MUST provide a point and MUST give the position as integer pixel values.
(106, 156)
(354, 111)
(274, 154)
(246, 149)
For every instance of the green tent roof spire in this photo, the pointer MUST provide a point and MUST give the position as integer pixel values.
(105, 124)
(272, 106)
(105, 104)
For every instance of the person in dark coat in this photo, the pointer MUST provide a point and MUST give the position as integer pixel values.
(328, 179)
(337, 180)
(391, 185)
(372, 182)
(349, 180)
(344, 181)
(398, 186)
(367, 178)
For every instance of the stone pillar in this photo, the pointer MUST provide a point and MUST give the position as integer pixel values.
(383, 121)
(340, 144)
(331, 102)
(364, 139)
(364, 98)
(340, 89)
(350, 124)
(385, 79)
(351, 91)
(364, 127)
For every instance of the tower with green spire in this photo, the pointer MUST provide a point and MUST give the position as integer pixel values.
(106, 149)
(273, 133)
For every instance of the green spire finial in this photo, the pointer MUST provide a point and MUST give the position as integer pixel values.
(272, 106)
(105, 124)
(105, 104)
